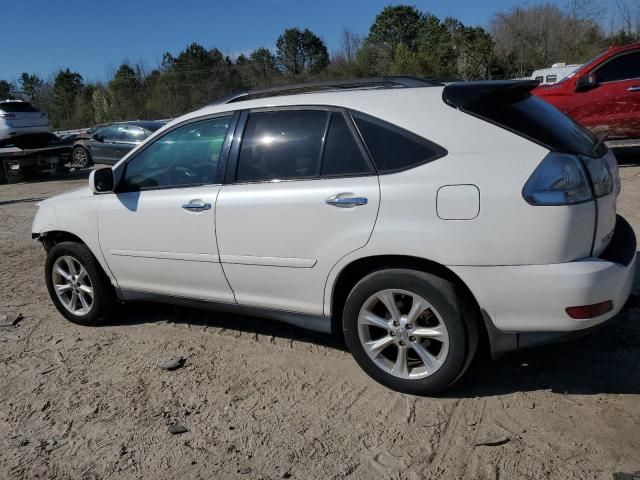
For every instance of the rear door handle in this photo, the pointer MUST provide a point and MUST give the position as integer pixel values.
(196, 206)
(346, 202)
(635, 88)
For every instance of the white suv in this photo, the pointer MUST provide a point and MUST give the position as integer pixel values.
(20, 118)
(414, 219)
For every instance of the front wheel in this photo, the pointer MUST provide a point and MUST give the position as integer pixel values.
(407, 330)
(80, 157)
(77, 285)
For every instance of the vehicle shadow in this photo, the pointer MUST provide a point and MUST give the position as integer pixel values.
(627, 156)
(63, 175)
(22, 200)
(606, 361)
(151, 312)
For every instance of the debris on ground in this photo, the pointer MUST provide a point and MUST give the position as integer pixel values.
(492, 442)
(177, 429)
(10, 319)
(172, 363)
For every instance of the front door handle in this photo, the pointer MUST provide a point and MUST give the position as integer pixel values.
(635, 88)
(196, 206)
(346, 202)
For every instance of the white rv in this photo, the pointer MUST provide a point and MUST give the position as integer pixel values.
(557, 72)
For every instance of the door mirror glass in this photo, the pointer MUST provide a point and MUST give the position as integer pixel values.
(586, 82)
(98, 138)
(101, 180)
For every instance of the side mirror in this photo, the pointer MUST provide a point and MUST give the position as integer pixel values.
(98, 138)
(586, 82)
(101, 180)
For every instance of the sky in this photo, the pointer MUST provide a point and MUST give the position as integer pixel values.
(93, 38)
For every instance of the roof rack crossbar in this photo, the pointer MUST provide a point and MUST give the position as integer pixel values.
(375, 82)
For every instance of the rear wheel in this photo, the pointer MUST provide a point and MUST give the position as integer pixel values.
(77, 285)
(407, 330)
(80, 157)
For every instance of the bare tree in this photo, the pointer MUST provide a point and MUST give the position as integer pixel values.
(351, 43)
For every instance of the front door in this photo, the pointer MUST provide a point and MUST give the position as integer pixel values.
(157, 232)
(612, 107)
(302, 196)
(104, 144)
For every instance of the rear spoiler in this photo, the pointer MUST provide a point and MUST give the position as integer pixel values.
(509, 104)
(466, 95)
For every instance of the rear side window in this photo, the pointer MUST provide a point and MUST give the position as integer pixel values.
(342, 154)
(17, 107)
(624, 67)
(282, 144)
(392, 148)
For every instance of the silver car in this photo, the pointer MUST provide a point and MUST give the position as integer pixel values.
(108, 143)
(19, 118)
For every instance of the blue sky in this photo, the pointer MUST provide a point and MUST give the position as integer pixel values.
(93, 38)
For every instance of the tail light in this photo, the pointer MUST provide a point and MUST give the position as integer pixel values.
(565, 179)
(559, 180)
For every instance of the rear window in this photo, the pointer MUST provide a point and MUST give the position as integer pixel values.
(510, 105)
(392, 148)
(17, 107)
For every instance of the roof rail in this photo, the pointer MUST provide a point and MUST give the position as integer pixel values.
(330, 85)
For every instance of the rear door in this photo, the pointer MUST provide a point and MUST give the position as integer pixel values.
(300, 194)
(612, 107)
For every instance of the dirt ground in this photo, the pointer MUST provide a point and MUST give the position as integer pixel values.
(267, 401)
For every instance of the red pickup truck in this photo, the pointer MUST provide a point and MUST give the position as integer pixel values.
(603, 94)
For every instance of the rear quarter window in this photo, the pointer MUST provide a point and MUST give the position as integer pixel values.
(392, 148)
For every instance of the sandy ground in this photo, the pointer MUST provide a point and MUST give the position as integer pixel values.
(270, 401)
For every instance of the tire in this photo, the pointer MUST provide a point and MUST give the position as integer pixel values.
(432, 341)
(81, 273)
(80, 157)
(3, 173)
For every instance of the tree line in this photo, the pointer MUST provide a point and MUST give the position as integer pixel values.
(401, 41)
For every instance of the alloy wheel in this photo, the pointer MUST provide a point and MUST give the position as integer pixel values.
(72, 285)
(403, 334)
(80, 157)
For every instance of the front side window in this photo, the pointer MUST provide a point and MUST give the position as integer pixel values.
(624, 67)
(185, 156)
(112, 132)
(134, 134)
(392, 148)
(282, 144)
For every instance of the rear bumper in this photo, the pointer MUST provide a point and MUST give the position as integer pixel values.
(11, 132)
(527, 303)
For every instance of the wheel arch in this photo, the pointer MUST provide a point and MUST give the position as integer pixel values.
(354, 271)
(51, 238)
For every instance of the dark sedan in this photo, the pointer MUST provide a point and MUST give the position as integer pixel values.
(110, 142)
